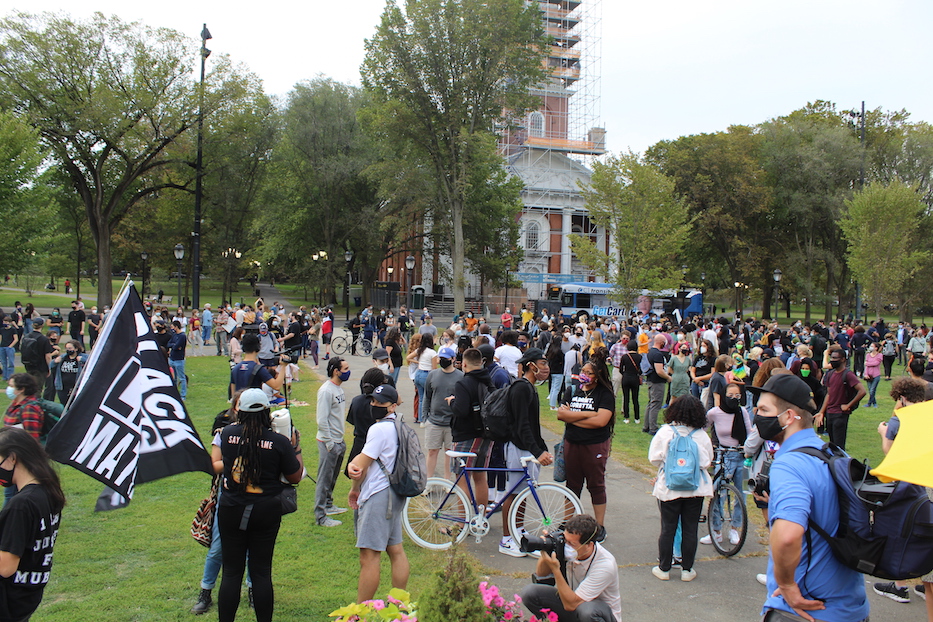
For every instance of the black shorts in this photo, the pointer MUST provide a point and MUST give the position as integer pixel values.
(326, 337)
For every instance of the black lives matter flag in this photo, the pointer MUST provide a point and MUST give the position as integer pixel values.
(126, 423)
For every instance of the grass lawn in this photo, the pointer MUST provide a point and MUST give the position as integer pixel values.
(140, 563)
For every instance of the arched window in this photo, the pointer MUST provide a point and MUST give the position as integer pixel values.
(536, 124)
(531, 236)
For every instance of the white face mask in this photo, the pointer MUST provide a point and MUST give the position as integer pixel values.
(570, 553)
(703, 350)
(384, 367)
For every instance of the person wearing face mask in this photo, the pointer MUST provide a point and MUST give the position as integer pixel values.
(508, 353)
(383, 363)
(678, 368)
(872, 373)
(66, 368)
(378, 509)
(56, 321)
(732, 427)
(9, 337)
(330, 443)
(29, 523)
(24, 410)
(526, 439)
(702, 369)
(590, 590)
(362, 414)
(589, 414)
(268, 346)
(804, 577)
(176, 357)
(94, 322)
(438, 394)
(843, 393)
(685, 416)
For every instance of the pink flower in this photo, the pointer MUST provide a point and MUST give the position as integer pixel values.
(378, 605)
(508, 615)
(498, 601)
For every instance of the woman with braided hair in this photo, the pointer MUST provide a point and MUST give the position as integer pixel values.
(254, 459)
(588, 413)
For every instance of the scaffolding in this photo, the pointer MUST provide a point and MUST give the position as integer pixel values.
(551, 149)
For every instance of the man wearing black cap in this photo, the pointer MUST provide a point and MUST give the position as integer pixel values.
(803, 573)
(378, 519)
(526, 434)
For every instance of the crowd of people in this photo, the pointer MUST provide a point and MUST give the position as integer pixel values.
(738, 383)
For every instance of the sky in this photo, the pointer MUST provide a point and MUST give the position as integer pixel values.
(668, 68)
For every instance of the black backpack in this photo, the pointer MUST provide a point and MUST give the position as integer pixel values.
(29, 350)
(495, 414)
(885, 529)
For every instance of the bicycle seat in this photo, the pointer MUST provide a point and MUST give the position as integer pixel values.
(460, 454)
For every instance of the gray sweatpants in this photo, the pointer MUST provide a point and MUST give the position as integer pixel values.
(655, 400)
(327, 470)
(538, 596)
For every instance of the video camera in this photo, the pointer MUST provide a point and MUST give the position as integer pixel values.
(291, 355)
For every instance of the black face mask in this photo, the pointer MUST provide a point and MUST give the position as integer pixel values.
(379, 412)
(836, 363)
(445, 363)
(731, 405)
(769, 428)
(6, 476)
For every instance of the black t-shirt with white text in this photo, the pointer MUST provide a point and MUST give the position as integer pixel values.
(69, 372)
(28, 529)
(599, 397)
(277, 458)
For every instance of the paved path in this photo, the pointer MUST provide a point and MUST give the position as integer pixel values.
(725, 590)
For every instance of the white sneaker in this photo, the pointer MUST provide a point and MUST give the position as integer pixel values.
(709, 540)
(762, 578)
(334, 510)
(733, 536)
(508, 546)
(688, 575)
(625, 421)
(329, 522)
(664, 575)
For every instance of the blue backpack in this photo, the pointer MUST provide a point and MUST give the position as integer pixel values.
(682, 465)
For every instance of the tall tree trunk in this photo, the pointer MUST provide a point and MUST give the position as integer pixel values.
(457, 254)
(104, 266)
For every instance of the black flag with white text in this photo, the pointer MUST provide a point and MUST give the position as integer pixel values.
(126, 423)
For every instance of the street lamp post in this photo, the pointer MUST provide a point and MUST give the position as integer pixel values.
(179, 255)
(777, 290)
(348, 257)
(196, 245)
(409, 267)
(145, 257)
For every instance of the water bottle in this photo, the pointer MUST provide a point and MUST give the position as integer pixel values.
(282, 422)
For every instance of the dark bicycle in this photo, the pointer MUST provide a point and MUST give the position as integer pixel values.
(729, 500)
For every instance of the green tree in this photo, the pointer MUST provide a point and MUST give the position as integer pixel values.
(720, 178)
(108, 98)
(646, 221)
(882, 226)
(441, 73)
(23, 203)
(318, 197)
(812, 159)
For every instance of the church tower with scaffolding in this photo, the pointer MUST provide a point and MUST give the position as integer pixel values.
(550, 148)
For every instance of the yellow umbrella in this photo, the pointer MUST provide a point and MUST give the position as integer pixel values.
(911, 456)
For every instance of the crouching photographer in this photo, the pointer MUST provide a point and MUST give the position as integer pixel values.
(576, 577)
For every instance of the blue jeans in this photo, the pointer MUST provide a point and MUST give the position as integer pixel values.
(7, 361)
(180, 380)
(215, 557)
(206, 332)
(734, 463)
(872, 387)
(557, 387)
(421, 376)
(394, 375)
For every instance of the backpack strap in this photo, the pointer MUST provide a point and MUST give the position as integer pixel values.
(827, 458)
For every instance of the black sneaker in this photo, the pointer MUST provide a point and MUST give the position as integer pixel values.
(897, 594)
(601, 534)
(918, 590)
(203, 604)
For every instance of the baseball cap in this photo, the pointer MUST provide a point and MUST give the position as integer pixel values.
(789, 388)
(380, 354)
(38, 321)
(385, 394)
(487, 351)
(531, 354)
(447, 353)
(253, 400)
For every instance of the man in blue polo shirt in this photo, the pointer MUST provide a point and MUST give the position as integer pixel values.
(801, 580)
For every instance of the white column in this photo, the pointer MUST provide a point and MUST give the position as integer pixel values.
(565, 242)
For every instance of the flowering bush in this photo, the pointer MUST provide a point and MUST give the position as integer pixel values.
(398, 607)
(503, 610)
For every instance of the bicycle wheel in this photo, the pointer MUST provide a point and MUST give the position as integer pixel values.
(734, 517)
(366, 346)
(558, 504)
(339, 345)
(431, 525)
